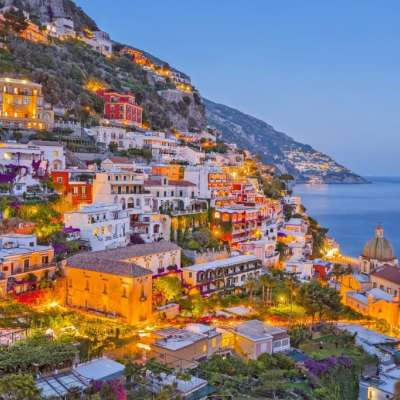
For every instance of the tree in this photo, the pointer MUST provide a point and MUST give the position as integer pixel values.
(170, 288)
(317, 300)
(18, 387)
(339, 270)
(252, 284)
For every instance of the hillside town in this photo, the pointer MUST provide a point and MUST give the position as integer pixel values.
(139, 263)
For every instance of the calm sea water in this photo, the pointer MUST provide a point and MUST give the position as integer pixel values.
(351, 212)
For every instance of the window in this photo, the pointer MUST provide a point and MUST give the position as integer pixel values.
(45, 259)
(165, 193)
(180, 193)
(124, 292)
(75, 190)
(205, 348)
(87, 288)
(26, 264)
(214, 342)
(59, 179)
(105, 289)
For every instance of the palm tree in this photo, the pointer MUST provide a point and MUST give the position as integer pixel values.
(267, 283)
(252, 284)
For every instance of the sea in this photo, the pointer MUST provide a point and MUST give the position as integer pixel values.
(351, 212)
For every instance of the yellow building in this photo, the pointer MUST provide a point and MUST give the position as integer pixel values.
(375, 291)
(22, 105)
(106, 283)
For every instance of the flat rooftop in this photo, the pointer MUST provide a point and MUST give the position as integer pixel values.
(175, 339)
(256, 330)
(226, 262)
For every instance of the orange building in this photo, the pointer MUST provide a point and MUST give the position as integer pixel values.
(76, 185)
(104, 282)
(22, 105)
(173, 172)
(34, 34)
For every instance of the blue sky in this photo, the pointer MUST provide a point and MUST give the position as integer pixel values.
(324, 72)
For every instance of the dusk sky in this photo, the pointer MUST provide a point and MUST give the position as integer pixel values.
(325, 73)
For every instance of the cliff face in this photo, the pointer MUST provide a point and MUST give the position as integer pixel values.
(297, 159)
(46, 10)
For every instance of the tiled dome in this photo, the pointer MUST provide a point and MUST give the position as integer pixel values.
(379, 248)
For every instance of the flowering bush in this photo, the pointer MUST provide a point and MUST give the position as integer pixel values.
(111, 389)
(322, 367)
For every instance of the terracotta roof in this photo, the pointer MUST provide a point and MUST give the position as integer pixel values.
(121, 160)
(389, 273)
(116, 261)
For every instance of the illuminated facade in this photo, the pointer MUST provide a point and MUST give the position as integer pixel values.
(23, 263)
(104, 226)
(239, 223)
(225, 275)
(171, 171)
(34, 34)
(106, 283)
(76, 185)
(121, 107)
(22, 105)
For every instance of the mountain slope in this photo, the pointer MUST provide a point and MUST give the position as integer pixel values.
(45, 10)
(64, 68)
(277, 148)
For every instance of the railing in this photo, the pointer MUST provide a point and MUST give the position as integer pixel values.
(32, 268)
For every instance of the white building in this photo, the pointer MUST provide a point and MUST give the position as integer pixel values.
(61, 28)
(222, 275)
(151, 227)
(199, 175)
(21, 165)
(123, 187)
(163, 148)
(264, 250)
(301, 267)
(104, 226)
(106, 135)
(99, 41)
(171, 195)
(193, 157)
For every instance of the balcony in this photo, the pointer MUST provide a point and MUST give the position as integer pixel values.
(32, 268)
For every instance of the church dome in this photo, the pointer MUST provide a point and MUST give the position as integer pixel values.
(379, 248)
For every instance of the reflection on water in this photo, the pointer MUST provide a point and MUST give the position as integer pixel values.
(351, 212)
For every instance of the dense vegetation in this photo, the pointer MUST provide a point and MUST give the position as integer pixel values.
(65, 69)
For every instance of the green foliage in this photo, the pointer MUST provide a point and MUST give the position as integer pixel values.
(40, 351)
(318, 234)
(169, 287)
(274, 188)
(299, 334)
(18, 387)
(144, 153)
(319, 301)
